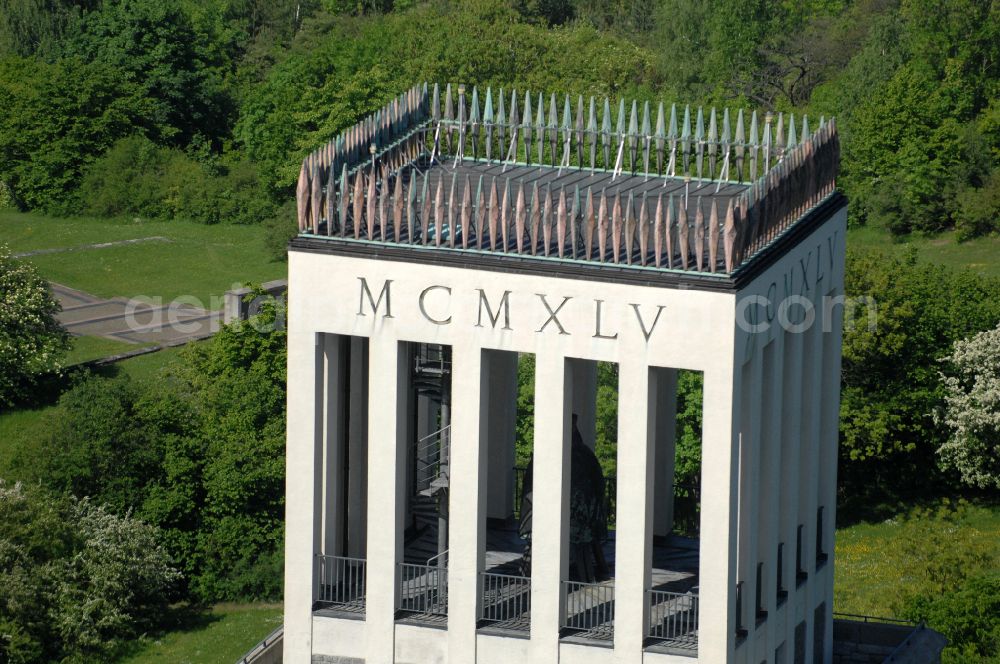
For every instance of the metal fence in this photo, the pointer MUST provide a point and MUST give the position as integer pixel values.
(423, 590)
(506, 601)
(341, 583)
(590, 610)
(673, 618)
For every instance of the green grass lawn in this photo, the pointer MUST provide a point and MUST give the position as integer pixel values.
(223, 634)
(23, 431)
(981, 255)
(198, 261)
(868, 570)
(88, 348)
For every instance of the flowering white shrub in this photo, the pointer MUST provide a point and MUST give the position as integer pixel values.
(972, 410)
(31, 340)
(75, 580)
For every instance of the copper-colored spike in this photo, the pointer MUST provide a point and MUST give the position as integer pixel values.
(682, 234)
(519, 219)
(658, 232)
(359, 201)
(588, 226)
(302, 197)
(535, 220)
(561, 222)
(397, 208)
(383, 213)
(452, 212)
(547, 222)
(316, 200)
(425, 216)
(616, 228)
(713, 237)
(466, 212)
(479, 215)
(668, 231)
(629, 228)
(602, 228)
(493, 214)
(643, 231)
(370, 208)
(505, 216)
(729, 236)
(439, 212)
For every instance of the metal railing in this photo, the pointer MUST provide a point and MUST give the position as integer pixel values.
(431, 456)
(423, 590)
(272, 640)
(341, 583)
(506, 601)
(590, 610)
(673, 619)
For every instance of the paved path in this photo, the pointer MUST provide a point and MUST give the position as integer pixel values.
(133, 321)
(97, 245)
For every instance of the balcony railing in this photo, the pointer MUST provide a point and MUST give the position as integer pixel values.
(340, 583)
(590, 610)
(506, 602)
(673, 619)
(423, 591)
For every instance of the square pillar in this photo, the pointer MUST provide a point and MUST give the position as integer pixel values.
(467, 498)
(388, 371)
(637, 398)
(550, 506)
(717, 551)
(663, 382)
(302, 496)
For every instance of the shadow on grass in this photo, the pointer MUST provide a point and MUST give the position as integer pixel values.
(178, 618)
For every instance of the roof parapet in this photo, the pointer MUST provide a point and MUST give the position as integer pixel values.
(373, 182)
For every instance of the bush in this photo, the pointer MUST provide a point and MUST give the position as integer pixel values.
(32, 342)
(979, 209)
(279, 229)
(968, 616)
(76, 581)
(137, 177)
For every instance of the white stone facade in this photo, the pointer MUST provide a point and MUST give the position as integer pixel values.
(769, 447)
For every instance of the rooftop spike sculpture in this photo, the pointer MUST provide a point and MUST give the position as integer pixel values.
(382, 180)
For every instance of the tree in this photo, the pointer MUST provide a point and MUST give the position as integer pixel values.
(156, 48)
(76, 581)
(57, 118)
(972, 410)
(31, 340)
(891, 386)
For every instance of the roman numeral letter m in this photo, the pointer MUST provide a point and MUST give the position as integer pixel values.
(385, 293)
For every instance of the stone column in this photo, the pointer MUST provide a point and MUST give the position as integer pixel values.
(717, 567)
(665, 411)
(303, 506)
(637, 398)
(388, 378)
(501, 370)
(550, 507)
(467, 498)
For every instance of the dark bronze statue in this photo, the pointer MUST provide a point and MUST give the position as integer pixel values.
(588, 519)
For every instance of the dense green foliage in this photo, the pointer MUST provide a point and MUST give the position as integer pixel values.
(891, 383)
(32, 343)
(199, 453)
(76, 580)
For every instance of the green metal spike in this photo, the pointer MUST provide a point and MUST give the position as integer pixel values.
(805, 128)
(791, 131)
